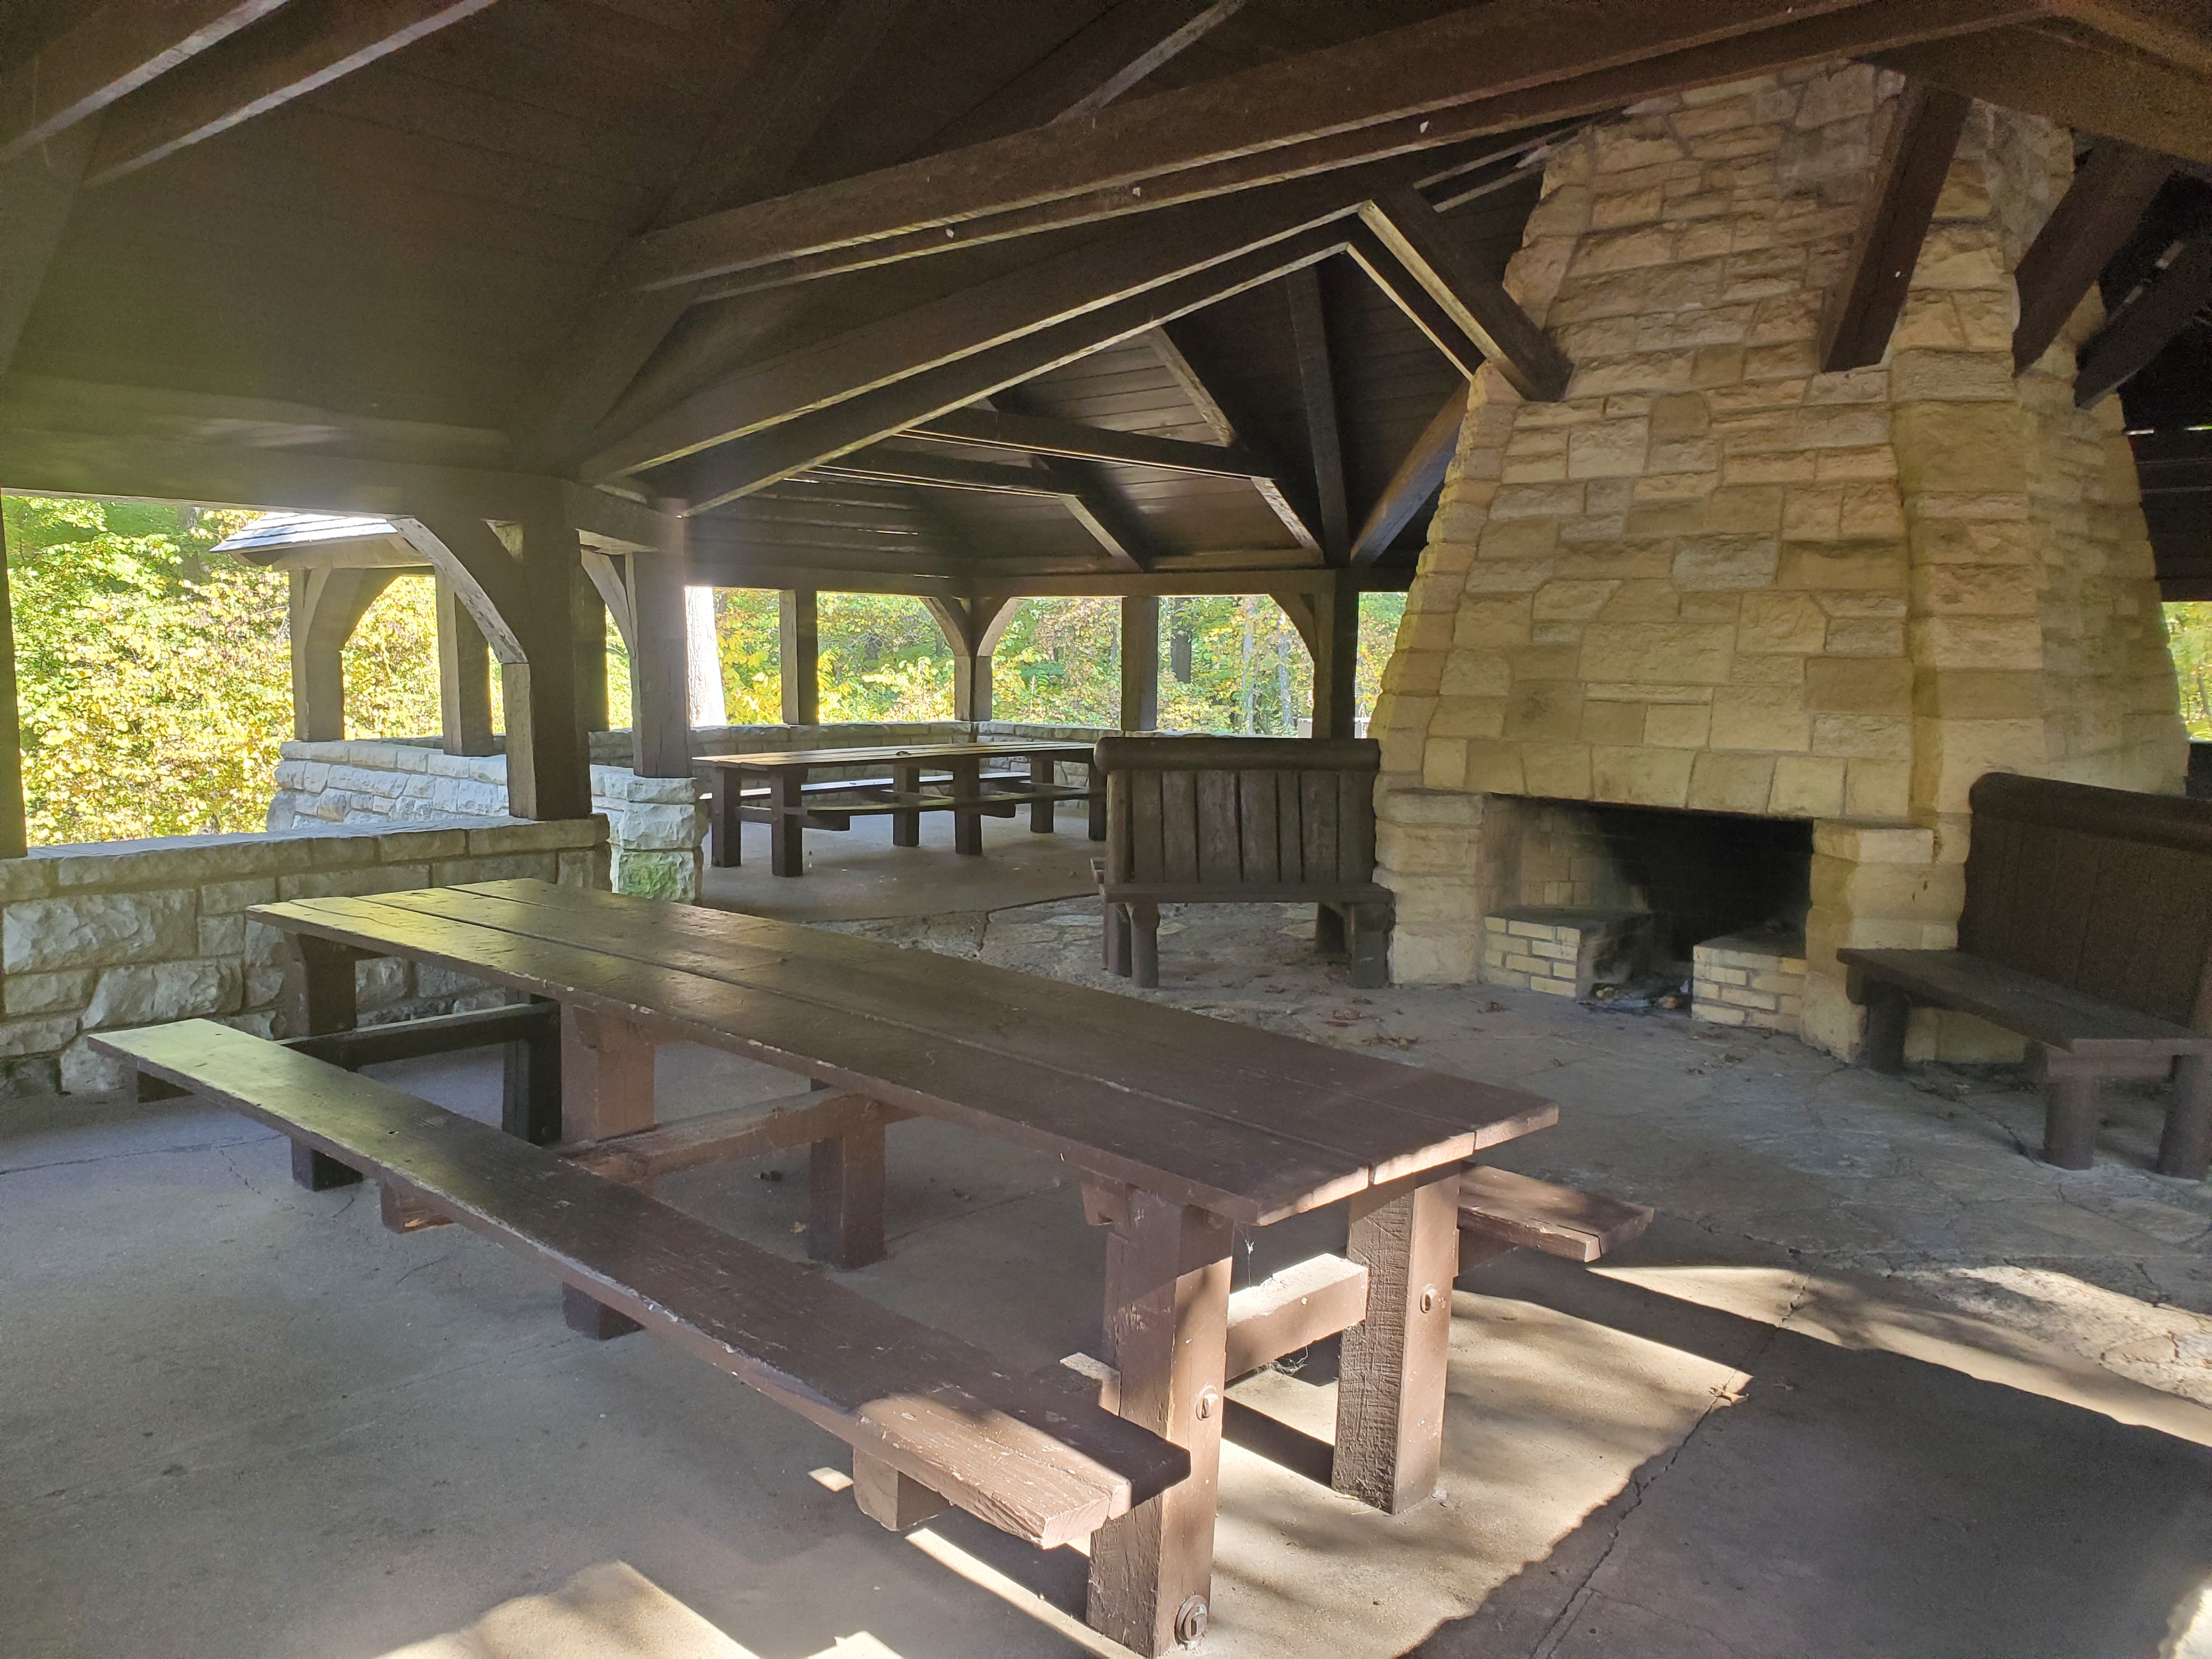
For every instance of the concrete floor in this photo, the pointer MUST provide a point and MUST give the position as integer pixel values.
(1876, 1384)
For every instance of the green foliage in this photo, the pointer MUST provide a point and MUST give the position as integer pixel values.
(2188, 633)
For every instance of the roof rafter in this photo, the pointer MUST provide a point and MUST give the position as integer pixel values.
(1044, 434)
(1184, 358)
(2109, 196)
(1421, 241)
(1418, 476)
(2144, 324)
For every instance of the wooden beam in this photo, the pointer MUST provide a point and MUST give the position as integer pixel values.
(1030, 299)
(1335, 651)
(1091, 69)
(2146, 324)
(1863, 312)
(783, 94)
(807, 441)
(114, 50)
(1388, 272)
(608, 577)
(2110, 192)
(972, 627)
(464, 679)
(1318, 392)
(1094, 501)
(939, 471)
(310, 44)
(660, 703)
(799, 664)
(1140, 662)
(1044, 435)
(1415, 479)
(1429, 250)
(1184, 357)
(37, 189)
(2072, 79)
(1477, 69)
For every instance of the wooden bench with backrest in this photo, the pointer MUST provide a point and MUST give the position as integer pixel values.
(928, 1415)
(2087, 930)
(1241, 821)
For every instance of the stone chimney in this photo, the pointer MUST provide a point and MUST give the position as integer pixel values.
(1718, 581)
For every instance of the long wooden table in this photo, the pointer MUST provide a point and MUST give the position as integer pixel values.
(1183, 1128)
(771, 786)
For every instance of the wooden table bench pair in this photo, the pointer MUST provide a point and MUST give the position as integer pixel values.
(1242, 821)
(967, 780)
(2087, 929)
(1183, 1129)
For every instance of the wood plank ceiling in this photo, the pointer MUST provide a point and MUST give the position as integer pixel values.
(723, 251)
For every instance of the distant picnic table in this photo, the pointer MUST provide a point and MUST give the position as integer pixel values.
(771, 787)
(1181, 1129)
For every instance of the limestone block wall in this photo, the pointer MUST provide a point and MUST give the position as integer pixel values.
(1716, 578)
(108, 937)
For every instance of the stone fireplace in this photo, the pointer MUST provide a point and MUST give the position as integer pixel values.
(1716, 583)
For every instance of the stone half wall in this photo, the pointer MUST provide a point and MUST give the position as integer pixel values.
(656, 826)
(1716, 578)
(106, 937)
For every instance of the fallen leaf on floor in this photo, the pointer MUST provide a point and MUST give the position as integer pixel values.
(1695, 1071)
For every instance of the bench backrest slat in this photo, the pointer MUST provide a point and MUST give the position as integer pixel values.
(2105, 892)
(931, 1405)
(1239, 811)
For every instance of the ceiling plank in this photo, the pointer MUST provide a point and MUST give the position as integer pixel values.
(308, 44)
(1389, 273)
(113, 50)
(1408, 88)
(37, 190)
(1089, 70)
(2146, 324)
(785, 92)
(1863, 312)
(1418, 478)
(1318, 392)
(2180, 31)
(2072, 81)
(1045, 434)
(2110, 194)
(1429, 249)
(1024, 300)
(1185, 358)
(718, 475)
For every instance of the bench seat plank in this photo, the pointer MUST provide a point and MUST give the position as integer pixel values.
(1541, 1215)
(1040, 1463)
(2035, 1008)
(1086, 1031)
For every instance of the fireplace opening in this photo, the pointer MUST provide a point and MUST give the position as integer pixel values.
(1705, 909)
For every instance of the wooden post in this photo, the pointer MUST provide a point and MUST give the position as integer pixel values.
(317, 997)
(1141, 662)
(590, 615)
(14, 841)
(464, 676)
(1390, 1386)
(800, 659)
(548, 764)
(971, 686)
(660, 714)
(1335, 645)
(1167, 1332)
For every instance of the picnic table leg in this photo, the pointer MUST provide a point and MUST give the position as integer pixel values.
(2185, 1149)
(1167, 1326)
(1889, 1011)
(1142, 918)
(529, 1102)
(2071, 1093)
(906, 827)
(1390, 1382)
(786, 845)
(726, 834)
(318, 999)
(845, 1184)
(606, 1089)
(1098, 785)
(967, 821)
(1042, 775)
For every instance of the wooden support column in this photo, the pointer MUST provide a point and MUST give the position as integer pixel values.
(326, 606)
(1335, 644)
(799, 656)
(464, 676)
(591, 614)
(660, 716)
(14, 836)
(1141, 662)
(972, 628)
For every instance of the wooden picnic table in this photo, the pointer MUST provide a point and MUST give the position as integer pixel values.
(1181, 1128)
(771, 786)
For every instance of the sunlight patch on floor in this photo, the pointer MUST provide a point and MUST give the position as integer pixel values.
(983, 1576)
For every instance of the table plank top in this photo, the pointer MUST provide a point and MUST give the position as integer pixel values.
(765, 759)
(1248, 1123)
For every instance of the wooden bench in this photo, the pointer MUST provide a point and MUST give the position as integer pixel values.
(1500, 1211)
(1241, 821)
(926, 1414)
(2087, 930)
